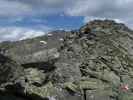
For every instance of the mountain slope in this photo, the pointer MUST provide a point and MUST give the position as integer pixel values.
(103, 50)
(22, 51)
(92, 63)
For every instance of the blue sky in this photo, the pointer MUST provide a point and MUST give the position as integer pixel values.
(20, 19)
(54, 21)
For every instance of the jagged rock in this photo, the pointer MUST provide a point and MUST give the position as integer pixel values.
(65, 95)
(10, 71)
(106, 52)
(67, 72)
(101, 52)
(10, 74)
(99, 95)
(40, 56)
(43, 91)
(35, 76)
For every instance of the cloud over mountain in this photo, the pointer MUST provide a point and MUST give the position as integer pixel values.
(120, 10)
(97, 8)
(20, 33)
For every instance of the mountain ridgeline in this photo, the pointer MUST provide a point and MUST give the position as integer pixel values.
(92, 63)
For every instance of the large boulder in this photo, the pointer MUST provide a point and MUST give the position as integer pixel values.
(39, 56)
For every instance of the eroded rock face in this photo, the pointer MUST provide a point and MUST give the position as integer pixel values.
(39, 56)
(104, 53)
(93, 63)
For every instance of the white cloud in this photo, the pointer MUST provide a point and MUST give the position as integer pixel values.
(20, 33)
(115, 9)
(97, 8)
(53, 3)
(33, 7)
(100, 8)
(12, 8)
(119, 10)
(88, 18)
(82, 7)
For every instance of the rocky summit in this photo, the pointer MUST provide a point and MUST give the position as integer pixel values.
(92, 63)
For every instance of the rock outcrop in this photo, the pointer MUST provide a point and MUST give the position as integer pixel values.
(92, 63)
(10, 71)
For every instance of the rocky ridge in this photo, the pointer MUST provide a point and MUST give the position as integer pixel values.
(92, 63)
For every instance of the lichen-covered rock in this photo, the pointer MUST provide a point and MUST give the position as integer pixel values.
(105, 53)
(43, 91)
(39, 56)
(92, 63)
(67, 72)
(35, 76)
(100, 95)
